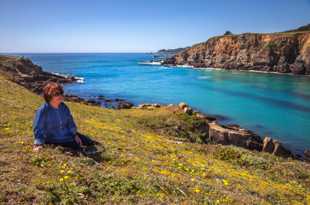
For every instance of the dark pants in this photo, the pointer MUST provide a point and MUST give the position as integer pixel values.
(86, 141)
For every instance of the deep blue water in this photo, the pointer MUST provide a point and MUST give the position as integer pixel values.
(269, 104)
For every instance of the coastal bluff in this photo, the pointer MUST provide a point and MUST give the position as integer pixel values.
(285, 52)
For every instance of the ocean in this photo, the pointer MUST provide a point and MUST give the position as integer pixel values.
(276, 105)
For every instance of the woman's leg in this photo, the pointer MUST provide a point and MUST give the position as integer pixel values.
(86, 141)
(73, 145)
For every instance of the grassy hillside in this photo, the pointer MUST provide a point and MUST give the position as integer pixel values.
(145, 161)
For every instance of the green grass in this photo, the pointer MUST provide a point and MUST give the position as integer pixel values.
(151, 156)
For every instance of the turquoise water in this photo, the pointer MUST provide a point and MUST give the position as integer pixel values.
(269, 104)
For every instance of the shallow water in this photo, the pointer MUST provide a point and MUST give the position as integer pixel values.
(269, 104)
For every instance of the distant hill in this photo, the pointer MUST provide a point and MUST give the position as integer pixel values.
(167, 53)
(302, 28)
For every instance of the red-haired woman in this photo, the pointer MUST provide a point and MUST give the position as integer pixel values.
(53, 122)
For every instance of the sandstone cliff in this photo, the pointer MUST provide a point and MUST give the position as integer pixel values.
(287, 52)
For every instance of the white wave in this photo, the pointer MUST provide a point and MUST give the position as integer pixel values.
(60, 74)
(150, 63)
(185, 66)
(259, 71)
(78, 79)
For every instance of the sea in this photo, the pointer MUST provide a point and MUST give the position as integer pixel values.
(276, 105)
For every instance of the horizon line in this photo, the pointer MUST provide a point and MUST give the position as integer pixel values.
(72, 52)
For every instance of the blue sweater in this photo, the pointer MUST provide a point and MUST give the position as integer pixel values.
(53, 125)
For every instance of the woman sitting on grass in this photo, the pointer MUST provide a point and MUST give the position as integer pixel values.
(53, 122)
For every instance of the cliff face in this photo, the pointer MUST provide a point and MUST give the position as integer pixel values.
(278, 52)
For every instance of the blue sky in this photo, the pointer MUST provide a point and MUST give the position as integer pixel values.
(137, 25)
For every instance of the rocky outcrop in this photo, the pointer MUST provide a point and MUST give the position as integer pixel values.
(23, 72)
(278, 52)
(235, 135)
(275, 147)
(148, 106)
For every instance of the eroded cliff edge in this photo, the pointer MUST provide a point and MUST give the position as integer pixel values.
(287, 52)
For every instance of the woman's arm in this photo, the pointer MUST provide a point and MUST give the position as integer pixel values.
(71, 124)
(38, 127)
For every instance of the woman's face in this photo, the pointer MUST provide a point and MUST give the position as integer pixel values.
(56, 100)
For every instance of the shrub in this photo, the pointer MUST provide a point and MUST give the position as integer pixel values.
(242, 158)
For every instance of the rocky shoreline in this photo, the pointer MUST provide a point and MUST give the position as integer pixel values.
(232, 134)
(23, 72)
(287, 52)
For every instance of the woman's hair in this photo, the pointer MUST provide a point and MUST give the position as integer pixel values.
(52, 89)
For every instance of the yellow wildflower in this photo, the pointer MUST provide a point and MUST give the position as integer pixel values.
(66, 177)
(164, 172)
(225, 182)
(61, 179)
(197, 190)
(62, 171)
(70, 172)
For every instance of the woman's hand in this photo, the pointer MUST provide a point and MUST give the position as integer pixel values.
(78, 140)
(36, 148)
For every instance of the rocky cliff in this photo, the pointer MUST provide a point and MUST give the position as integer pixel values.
(24, 72)
(287, 52)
